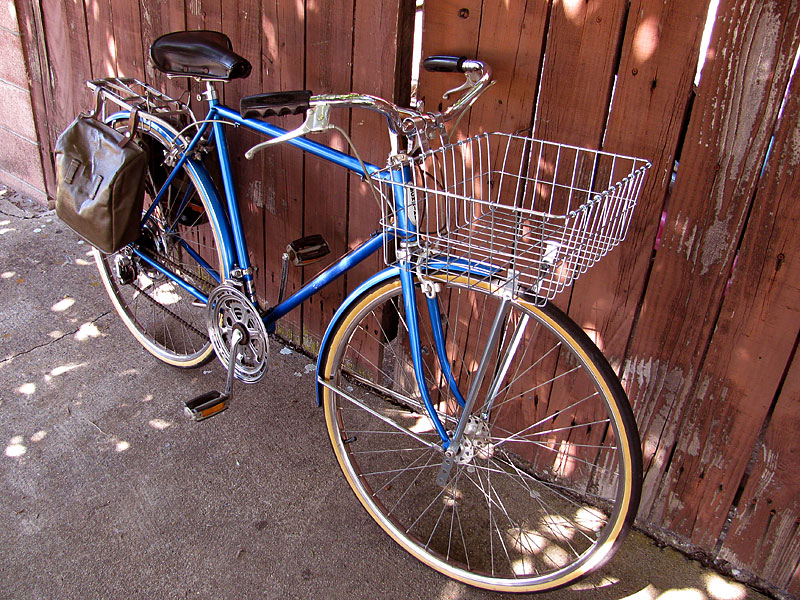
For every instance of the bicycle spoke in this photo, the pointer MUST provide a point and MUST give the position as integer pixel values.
(166, 319)
(529, 494)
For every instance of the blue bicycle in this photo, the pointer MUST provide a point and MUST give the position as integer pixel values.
(476, 423)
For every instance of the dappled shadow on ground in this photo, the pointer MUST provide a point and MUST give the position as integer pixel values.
(99, 467)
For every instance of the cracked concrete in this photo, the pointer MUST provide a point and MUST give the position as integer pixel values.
(108, 491)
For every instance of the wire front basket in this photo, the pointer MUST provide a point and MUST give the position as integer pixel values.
(509, 214)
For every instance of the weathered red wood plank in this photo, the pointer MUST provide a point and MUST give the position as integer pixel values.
(34, 43)
(329, 47)
(511, 42)
(280, 184)
(727, 139)
(68, 63)
(451, 28)
(578, 75)
(653, 89)
(102, 42)
(764, 537)
(241, 19)
(376, 73)
(758, 328)
(202, 14)
(509, 38)
(578, 72)
(159, 18)
(128, 38)
(448, 28)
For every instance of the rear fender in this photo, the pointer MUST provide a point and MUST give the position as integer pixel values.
(167, 134)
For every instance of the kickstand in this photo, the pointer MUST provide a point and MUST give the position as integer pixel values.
(213, 403)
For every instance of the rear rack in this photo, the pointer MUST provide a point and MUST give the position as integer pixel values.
(129, 93)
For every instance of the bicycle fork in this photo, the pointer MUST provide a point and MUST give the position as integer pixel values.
(452, 444)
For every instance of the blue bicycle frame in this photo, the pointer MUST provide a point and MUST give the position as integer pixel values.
(237, 260)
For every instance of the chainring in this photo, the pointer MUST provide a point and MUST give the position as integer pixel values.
(227, 309)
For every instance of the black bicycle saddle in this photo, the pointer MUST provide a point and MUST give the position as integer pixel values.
(201, 54)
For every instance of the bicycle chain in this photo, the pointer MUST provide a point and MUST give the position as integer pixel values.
(178, 318)
(167, 262)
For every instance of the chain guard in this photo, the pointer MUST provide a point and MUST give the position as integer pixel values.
(227, 309)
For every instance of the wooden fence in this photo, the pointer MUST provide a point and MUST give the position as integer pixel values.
(697, 311)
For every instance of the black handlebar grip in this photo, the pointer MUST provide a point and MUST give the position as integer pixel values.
(444, 64)
(275, 104)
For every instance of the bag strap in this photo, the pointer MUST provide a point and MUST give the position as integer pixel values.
(133, 120)
(98, 105)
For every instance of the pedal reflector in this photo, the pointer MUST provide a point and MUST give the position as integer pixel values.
(207, 405)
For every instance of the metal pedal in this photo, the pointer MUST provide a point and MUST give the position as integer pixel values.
(213, 403)
(307, 250)
(207, 405)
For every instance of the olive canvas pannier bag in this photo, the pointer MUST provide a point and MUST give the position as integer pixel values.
(100, 181)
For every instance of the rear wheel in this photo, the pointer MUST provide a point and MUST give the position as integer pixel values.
(548, 479)
(179, 237)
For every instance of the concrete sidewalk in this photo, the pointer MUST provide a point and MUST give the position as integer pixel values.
(108, 491)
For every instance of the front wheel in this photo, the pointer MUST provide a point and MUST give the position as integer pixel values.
(548, 479)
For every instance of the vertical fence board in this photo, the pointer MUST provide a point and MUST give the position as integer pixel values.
(68, 63)
(759, 325)
(451, 28)
(242, 20)
(281, 178)
(374, 72)
(578, 74)
(511, 40)
(329, 48)
(158, 19)
(506, 36)
(727, 139)
(128, 38)
(102, 43)
(653, 89)
(34, 42)
(764, 537)
(202, 14)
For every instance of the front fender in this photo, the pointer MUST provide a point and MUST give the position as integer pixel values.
(379, 277)
(451, 265)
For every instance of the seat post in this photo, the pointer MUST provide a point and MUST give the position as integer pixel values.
(210, 95)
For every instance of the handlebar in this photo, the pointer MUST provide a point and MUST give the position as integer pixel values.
(444, 64)
(403, 121)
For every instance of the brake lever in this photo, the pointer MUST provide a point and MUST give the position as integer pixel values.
(470, 81)
(316, 122)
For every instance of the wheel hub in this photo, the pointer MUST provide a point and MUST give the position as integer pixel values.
(154, 244)
(229, 309)
(475, 442)
(125, 269)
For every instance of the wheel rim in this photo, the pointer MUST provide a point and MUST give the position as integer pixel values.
(536, 505)
(166, 319)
